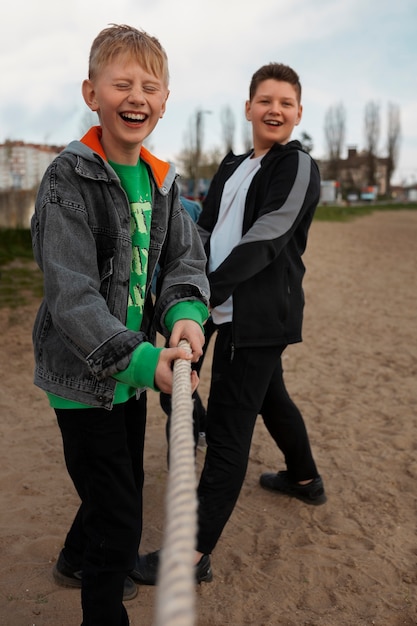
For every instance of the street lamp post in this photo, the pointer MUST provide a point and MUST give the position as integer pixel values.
(198, 149)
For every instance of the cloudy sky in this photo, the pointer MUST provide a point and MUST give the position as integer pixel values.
(347, 51)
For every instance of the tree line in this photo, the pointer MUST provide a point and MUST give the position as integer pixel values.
(196, 163)
(335, 129)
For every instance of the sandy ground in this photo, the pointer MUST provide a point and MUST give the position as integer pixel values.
(351, 562)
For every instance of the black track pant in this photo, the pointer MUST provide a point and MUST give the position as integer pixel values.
(244, 384)
(104, 457)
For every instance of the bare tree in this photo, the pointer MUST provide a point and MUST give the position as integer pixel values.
(198, 149)
(334, 133)
(246, 134)
(372, 130)
(191, 157)
(228, 127)
(210, 162)
(307, 142)
(393, 140)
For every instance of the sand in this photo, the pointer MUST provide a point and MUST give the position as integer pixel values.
(350, 562)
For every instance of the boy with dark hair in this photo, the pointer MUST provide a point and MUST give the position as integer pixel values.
(255, 223)
(107, 213)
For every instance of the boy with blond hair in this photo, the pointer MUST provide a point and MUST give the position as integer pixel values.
(107, 213)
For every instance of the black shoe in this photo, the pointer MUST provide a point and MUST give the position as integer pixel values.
(312, 493)
(67, 575)
(146, 570)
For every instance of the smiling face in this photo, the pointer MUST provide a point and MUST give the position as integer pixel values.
(273, 110)
(129, 101)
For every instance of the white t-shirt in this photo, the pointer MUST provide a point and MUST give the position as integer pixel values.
(228, 229)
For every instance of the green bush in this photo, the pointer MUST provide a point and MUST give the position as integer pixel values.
(15, 243)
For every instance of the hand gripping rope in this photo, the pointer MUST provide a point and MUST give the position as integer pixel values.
(175, 596)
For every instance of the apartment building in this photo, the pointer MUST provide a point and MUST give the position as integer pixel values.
(22, 165)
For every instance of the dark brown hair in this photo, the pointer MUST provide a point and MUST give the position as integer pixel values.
(276, 71)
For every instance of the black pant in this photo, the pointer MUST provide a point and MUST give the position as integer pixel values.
(104, 457)
(244, 384)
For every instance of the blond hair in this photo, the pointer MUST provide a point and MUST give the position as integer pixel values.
(127, 41)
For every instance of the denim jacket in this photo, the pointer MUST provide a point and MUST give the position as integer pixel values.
(81, 241)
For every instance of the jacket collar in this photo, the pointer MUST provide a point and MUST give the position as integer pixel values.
(160, 169)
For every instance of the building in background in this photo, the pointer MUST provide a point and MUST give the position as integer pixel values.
(359, 176)
(22, 165)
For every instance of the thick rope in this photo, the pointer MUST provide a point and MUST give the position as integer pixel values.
(175, 596)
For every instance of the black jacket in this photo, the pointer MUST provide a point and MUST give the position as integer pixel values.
(264, 272)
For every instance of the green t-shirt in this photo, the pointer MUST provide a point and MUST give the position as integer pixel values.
(135, 181)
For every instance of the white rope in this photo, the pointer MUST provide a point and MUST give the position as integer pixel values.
(175, 596)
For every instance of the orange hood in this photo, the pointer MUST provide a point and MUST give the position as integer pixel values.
(159, 168)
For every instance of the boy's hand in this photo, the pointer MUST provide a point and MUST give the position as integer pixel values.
(191, 331)
(164, 373)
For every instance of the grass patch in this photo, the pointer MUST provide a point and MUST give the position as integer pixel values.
(340, 213)
(20, 277)
(15, 243)
(20, 283)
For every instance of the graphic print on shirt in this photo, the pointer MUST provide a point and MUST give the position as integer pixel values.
(140, 225)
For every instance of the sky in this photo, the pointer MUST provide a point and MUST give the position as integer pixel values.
(349, 52)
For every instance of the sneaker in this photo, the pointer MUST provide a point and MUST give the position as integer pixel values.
(202, 443)
(68, 575)
(146, 570)
(312, 493)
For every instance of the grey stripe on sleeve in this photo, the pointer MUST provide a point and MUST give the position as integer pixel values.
(268, 227)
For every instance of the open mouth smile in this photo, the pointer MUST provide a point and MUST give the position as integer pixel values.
(133, 118)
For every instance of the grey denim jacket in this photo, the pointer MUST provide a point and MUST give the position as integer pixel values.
(81, 241)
